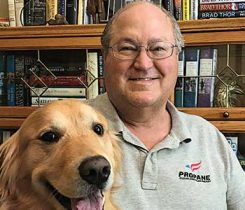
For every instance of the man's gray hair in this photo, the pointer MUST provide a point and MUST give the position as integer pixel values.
(106, 35)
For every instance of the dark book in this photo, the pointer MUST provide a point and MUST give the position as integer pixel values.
(34, 12)
(179, 87)
(71, 11)
(169, 5)
(19, 84)
(208, 64)
(191, 76)
(2, 79)
(11, 80)
(62, 7)
(101, 73)
(178, 9)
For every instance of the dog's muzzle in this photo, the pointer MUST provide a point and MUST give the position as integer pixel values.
(95, 171)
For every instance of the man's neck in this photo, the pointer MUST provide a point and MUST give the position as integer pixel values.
(150, 126)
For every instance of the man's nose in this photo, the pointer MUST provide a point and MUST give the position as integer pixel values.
(143, 61)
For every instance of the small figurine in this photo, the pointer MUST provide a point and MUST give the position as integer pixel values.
(59, 20)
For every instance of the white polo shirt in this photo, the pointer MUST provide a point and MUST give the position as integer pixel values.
(193, 168)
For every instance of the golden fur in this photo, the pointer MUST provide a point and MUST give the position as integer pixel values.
(49, 148)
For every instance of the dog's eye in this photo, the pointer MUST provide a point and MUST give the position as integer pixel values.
(98, 128)
(50, 137)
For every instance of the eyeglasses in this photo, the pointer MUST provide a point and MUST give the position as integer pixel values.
(155, 50)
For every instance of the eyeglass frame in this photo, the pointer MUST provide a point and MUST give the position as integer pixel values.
(147, 49)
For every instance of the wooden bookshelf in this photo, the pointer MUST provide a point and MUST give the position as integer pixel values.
(196, 33)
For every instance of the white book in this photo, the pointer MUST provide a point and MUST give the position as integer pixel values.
(40, 101)
(92, 75)
(12, 16)
(19, 4)
(59, 91)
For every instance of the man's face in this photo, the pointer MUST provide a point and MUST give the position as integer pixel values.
(143, 81)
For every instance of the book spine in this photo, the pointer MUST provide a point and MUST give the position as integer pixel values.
(221, 14)
(2, 79)
(101, 74)
(34, 12)
(178, 9)
(40, 101)
(51, 81)
(19, 85)
(62, 7)
(19, 4)
(222, 7)
(11, 81)
(51, 9)
(80, 12)
(92, 74)
(179, 87)
(59, 91)
(191, 73)
(218, 1)
(193, 9)
(186, 10)
(168, 5)
(206, 80)
(11, 9)
(71, 11)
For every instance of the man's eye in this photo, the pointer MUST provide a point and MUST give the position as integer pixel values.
(158, 48)
(127, 48)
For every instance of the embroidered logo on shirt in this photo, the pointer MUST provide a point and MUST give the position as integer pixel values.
(194, 175)
(194, 166)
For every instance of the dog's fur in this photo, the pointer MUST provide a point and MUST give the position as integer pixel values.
(48, 150)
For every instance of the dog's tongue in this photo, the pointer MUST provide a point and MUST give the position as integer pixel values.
(93, 202)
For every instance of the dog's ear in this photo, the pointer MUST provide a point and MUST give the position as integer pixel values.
(8, 154)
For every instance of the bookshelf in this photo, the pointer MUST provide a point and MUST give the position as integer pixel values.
(196, 33)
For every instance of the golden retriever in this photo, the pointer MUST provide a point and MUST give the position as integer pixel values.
(64, 156)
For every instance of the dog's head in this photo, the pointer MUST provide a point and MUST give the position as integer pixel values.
(65, 153)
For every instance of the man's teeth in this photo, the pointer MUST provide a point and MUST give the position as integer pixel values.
(145, 79)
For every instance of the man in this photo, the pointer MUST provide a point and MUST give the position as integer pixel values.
(171, 160)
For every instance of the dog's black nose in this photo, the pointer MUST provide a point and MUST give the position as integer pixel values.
(95, 170)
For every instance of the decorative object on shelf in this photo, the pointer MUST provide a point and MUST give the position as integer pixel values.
(227, 88)
(59, 20)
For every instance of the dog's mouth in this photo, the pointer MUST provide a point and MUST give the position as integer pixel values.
(93, 201)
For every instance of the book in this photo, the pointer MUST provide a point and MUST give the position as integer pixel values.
(80, 12)
(34, 12)
(207, 72)
(51, 9)
(193, 9)
(11, 80)
(191, 76)
(221, 14)
(178, 9)
(62, 7)
(186, 10)
(179, 87)
(218, 1)
(2, 79)
(19, 84)
(11, 9)
(71, 11)
(169, 5)
(92, 74)
(19, 4)
(59, 91)
(40, 101)
(222, 6)
(4, 22)
(101, 73)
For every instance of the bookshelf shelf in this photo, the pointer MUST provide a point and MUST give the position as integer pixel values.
(196, 33)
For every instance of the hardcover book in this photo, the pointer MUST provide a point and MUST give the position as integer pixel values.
(179, 87)
(191, 76)
(208, 65)
(11, 80)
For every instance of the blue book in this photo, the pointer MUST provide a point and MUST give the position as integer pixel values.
(191, 76)
(11, 80)
(2, 81)
(179, 87)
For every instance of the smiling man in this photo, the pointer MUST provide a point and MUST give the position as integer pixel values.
(171, 160)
